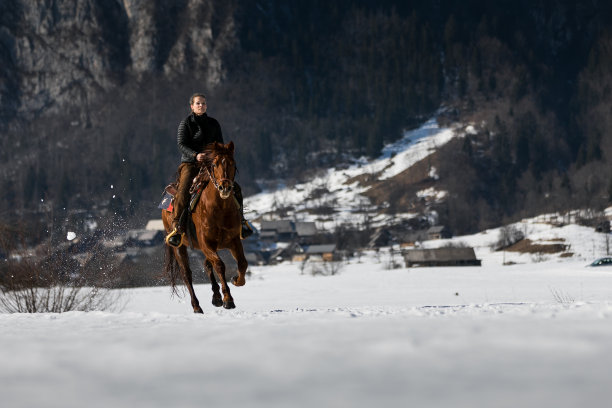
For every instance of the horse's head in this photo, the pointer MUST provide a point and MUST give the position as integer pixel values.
(221, 166)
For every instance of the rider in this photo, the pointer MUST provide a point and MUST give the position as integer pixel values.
(194, 133)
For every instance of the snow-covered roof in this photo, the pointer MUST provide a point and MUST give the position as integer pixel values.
(280, 226)
(436, 228)
(440, 254)
(147, 235)
(156, 225)
(320, 249)
(305, 229)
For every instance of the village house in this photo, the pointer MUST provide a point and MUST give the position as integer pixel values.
(155, 225)
(306, 232)
(325, 252)
(293, 252)
(438, 232)
(277, 231)
(447, 256)
(144, 238)
(287, 231)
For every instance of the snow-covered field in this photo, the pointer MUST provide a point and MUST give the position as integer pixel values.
(523, 330)
(526, 335)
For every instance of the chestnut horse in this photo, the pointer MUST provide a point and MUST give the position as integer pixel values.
(217, 223)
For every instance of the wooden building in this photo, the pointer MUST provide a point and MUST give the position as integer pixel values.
(438, 232)
(288, 231)
(323, 252)
(448, 256)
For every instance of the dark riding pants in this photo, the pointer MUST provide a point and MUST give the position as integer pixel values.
(187, 172)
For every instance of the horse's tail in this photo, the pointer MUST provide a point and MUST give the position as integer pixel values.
(172, 271)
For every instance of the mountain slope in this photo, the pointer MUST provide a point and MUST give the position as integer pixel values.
(347, 195)
(91, 94)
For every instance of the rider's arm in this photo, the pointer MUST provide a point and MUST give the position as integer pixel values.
(182, 137)
(217, 134)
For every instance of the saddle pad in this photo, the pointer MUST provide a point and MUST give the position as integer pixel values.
(166, 202)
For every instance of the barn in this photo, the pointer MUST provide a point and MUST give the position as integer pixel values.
(448, 256)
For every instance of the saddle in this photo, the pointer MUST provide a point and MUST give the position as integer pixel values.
(167, 203)
(168, 197)
(171, 190)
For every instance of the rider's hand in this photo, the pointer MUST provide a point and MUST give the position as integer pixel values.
(200, 157)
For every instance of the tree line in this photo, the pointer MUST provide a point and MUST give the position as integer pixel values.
(312, 84)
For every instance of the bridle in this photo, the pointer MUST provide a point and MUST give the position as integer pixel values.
(217, 183)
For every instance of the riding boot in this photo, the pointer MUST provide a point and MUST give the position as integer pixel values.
(187, 171)
(246, 228)
(177, 234)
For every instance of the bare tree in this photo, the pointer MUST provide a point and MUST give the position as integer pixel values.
(28, 288)
(393, 262)
(51, 284)
(508, 235)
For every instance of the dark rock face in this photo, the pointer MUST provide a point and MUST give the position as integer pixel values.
(58, 56)
(91, 92)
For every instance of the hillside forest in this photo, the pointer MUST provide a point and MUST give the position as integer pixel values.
(311, 84)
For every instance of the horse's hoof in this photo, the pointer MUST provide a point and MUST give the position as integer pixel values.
(237, 281)
(198, 310)
(229, 304)
(217, 301)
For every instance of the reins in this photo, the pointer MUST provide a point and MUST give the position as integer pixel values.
(211, 176)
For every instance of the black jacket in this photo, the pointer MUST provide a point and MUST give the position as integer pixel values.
(194, 134)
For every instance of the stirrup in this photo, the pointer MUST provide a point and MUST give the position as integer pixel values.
(174, 239)
(246, 230)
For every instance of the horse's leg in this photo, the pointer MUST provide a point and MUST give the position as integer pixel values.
(216, 299)
(228, 301)
(238, 254)
(183, 261)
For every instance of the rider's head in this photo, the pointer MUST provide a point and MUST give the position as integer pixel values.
(198, 103)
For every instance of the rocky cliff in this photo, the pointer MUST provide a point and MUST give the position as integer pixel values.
(61, 55)
(91, 92)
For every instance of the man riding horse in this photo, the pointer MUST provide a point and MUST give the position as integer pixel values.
(195, 132)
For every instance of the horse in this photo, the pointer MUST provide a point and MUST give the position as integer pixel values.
(217, 223)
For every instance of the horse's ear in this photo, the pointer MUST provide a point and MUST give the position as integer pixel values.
(230, 146)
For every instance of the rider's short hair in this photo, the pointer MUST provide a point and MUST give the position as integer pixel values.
(201, 95)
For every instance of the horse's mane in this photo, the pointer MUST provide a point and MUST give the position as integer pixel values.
(213, 150)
